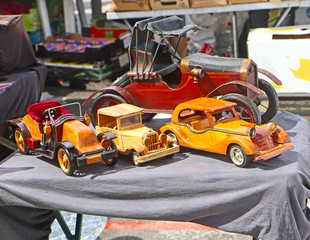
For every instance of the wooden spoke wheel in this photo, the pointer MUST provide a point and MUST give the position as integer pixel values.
(238, 156)
(21, 141)
(65, 161)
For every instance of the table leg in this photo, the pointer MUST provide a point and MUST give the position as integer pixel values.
(65, 228)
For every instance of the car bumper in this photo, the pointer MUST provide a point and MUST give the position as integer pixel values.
(273, 152)
(97, 157)
(158, 154)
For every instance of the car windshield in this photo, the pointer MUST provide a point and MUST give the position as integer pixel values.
(130, 120)
(224, 116)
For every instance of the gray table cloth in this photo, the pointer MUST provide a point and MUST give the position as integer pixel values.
(266, 200)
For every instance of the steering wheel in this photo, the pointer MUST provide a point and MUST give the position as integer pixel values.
(222, 118)
(46, 113)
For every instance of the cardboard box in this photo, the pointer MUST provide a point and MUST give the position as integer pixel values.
(168, 4)
(245, 1)
(207, 3)
(285, 52)
(130, 5)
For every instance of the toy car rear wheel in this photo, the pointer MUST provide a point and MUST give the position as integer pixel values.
(104, 100)
(175, 142)
(245, 107)
(269, 102)
(111, 161)
(65, 160)
(21, 141)
(238, 156)
(135, 157)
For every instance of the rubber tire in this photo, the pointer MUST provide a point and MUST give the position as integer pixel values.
(134, 155)
(100, 100)
(176, 142)
(246, 158)
(22, 140)
(114, 160)
(273, 100)
(71, 168)
(247, 104)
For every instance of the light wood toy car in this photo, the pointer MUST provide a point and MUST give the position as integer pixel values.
(145, 144)
(213, 125)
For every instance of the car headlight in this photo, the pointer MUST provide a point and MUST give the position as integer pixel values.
(272, 127)
(163, 137)
(147, 141)
(251, 132)
(106, 143)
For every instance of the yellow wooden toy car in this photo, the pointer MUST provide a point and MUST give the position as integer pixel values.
(213, 125)
(145, 144)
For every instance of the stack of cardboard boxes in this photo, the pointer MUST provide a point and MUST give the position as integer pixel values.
(145, 5)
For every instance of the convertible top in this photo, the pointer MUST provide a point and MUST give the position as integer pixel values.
(165, 26)
(204, 104)
(119, 110)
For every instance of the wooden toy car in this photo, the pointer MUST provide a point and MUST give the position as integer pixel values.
(158, 80)
(145, 144)
(213, 125)
(52, 131)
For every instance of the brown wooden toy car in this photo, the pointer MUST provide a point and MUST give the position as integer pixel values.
(214, 125)
(51, 130)
(159, 80)
(145, 144)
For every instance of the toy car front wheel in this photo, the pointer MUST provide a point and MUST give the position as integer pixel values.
(269, 102)
(238, 156)
(111, 161)
(245, 107)
(135, 157)
(21, 141)
(65, 161)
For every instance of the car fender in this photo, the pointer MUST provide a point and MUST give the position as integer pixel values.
(174, 128)
(14, 123)
(110, 135)
(218, 91)
(281, 136)
(270, 76)
(139, 148)
(66, 145)
(115, 90)
(248, 147)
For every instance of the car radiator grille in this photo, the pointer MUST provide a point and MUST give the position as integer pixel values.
(263, 139)
(154, 139)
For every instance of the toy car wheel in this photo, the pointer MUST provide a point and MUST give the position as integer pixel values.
(135, 157)
(246, 107)
(111, 161)
(175, 142)
(269, 102)
(104, 100)
(238, 156)
(65, 161)
(21, 141)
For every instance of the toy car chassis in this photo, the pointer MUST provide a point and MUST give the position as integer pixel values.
(52, 131)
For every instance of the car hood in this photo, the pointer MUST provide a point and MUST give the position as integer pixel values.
(238, 126)
(137, 132)
(82, 136)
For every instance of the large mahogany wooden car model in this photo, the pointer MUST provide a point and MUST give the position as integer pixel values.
(159, 80)
(213, 125)
(51, 130)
